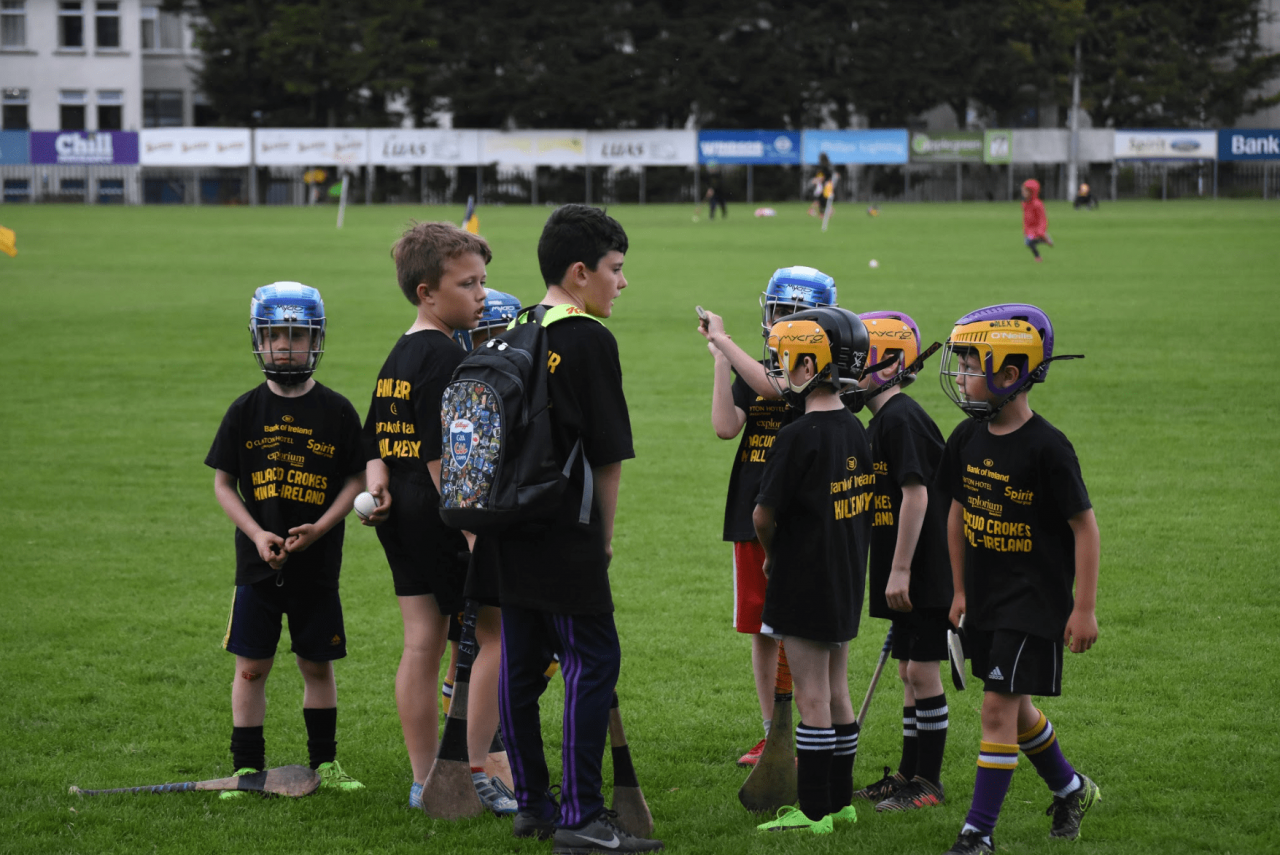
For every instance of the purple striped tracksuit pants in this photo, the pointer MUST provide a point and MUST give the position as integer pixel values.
(589, 662)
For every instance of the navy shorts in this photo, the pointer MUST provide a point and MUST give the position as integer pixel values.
(920, 635)
(316, 631)
(1015, 663)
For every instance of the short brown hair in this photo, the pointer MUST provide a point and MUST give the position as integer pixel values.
(424, 249)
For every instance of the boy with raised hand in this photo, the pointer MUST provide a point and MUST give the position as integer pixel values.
(287, 463)
(910, 577)
(1020, 532)
(554, 580)
(743, 401)
(813, 519)
(440, 268)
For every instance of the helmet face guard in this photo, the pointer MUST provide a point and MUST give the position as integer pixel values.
(1013, 333)
(833, 338)
(500, 308)
(793, 289)
(890, 331)
(286, 328)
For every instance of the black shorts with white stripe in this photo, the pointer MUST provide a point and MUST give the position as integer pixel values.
(1016, 663)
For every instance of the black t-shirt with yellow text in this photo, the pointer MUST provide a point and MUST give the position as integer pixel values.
(1018, 491)
(565, 569)
(904, 443)
(290, 458)
(818, 479)
(765, 418)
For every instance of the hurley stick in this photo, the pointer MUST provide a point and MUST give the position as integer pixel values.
(293, 781)
(448, 792)
(628, 801)
(772, 783)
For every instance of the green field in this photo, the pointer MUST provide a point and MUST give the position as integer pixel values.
(123, 340)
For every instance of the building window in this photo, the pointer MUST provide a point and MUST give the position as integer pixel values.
(71, 104)
(162, 108)
(13, 24)
(70, 25)
(15, 111)
(110, 110)
(106, 23)
(161, 31)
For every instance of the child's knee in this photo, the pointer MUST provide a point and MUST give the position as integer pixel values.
(315, 671)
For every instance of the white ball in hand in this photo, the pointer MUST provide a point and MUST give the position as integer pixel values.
(365, 505)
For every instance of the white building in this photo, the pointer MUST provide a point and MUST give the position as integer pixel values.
(95, 65)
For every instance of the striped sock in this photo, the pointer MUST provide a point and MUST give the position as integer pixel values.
(931, 724)
(996, 763)
(1040, 744)
(814, 749)
(846, 752)
(446, 696)
(910, 744)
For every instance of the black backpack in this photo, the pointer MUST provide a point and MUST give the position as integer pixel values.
(498, 467)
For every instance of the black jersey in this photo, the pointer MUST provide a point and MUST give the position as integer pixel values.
(904, 443)
(1018, 492)
(290, 458)
(403, 425)
(819, 481)
(764, 418)
(565, 568)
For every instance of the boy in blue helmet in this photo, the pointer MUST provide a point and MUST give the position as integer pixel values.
(1021, 533)
(743, 401)
(288, 463)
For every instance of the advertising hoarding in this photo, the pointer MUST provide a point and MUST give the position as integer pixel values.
(1166, 145)
(311, 146)
(879, 146)
(424, 147)
(947, 147)
(194, 147)
(759, 148)
(1248, 144)
(642, 148)
(69, 148)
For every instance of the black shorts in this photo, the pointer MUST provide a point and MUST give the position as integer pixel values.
(920, 635)
(425, 557)
(482, 573)
(1015, 663)
(316, 631)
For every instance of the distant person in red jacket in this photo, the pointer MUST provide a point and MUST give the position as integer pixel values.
(1034, 220)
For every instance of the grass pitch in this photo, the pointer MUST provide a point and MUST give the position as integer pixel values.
(123, 340)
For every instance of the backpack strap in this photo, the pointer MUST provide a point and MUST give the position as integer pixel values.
(546, 316)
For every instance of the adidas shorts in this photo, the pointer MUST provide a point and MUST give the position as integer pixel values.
(920, 635)
(1016, 663)
(749, 585)
(316, 631)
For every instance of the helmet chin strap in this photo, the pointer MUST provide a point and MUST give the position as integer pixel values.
(989, 412)
(913, 368)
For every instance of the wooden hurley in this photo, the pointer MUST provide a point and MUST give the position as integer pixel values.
(628, 800)
(292, 781)
(772, 783)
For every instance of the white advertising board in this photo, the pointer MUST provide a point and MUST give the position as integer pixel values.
(642, 148)
(534, 148)
(194, 146)
(424, 147)
(1166, 145)
(311, 146)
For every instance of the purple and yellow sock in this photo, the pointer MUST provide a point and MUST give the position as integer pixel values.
(996, 762)
(446, 696)
(1040, 744)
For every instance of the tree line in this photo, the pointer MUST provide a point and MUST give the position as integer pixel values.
(723, 64)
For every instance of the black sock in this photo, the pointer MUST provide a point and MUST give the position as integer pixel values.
(248, 748)
(910, 743)
(842, 765)
(814, 748)
(931, 724)
(322, 734)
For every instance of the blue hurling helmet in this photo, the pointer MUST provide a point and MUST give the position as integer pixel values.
(792, 289)
(500, 308)
(298, 311)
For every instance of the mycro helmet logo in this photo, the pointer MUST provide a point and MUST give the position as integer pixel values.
(851, 464)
